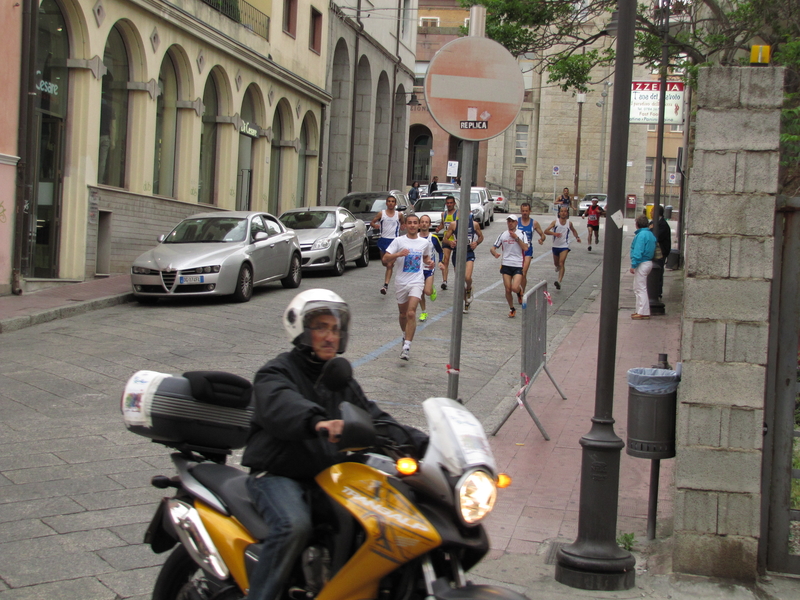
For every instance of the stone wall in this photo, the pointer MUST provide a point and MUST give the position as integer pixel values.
(729, 266)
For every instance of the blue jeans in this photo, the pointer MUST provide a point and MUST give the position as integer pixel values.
(280, 502)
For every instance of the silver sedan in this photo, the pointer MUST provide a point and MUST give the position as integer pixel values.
(329, 236)
(218, 253)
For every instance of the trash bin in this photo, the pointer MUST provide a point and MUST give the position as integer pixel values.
(668, 212)
(652, 408)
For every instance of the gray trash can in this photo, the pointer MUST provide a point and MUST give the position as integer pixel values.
(668, 212)
(652, 408)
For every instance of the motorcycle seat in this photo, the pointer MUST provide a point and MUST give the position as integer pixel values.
(230, 485)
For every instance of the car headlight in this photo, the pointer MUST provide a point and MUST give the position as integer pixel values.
(211, 269)
(322, 244)
(476, 493)
(475, 211)
(143, 271)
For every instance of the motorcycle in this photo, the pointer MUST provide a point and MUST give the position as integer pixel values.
(395, 526)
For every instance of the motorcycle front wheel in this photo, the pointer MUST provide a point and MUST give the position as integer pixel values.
(181, 578)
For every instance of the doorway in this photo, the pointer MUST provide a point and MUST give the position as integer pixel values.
(44, 232)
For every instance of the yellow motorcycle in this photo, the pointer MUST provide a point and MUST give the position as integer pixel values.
(394, 526)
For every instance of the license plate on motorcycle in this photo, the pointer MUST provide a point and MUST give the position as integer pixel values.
(191, 279)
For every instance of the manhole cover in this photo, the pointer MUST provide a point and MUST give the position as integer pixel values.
(553, 552)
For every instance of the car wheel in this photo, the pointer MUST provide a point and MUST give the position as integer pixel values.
(363, 260)
(244, 284)
(147, 300)
(338, 262)
(295, 276)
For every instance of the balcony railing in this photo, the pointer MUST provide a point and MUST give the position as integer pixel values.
(244, 13)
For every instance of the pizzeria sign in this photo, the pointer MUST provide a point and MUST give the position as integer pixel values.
(645, 96)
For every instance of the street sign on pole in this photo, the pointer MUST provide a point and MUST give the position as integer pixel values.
(556, 171)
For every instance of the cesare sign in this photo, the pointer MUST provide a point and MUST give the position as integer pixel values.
(474, 88)
(644, 102)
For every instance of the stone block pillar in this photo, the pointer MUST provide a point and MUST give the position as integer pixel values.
(729, 256)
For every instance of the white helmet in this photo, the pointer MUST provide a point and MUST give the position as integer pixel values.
(304, 306)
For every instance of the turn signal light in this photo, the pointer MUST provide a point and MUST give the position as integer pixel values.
(503, 480)
(406, 466)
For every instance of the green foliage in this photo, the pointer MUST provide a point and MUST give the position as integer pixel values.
(626, 541)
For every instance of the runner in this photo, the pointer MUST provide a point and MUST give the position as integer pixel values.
(448, 216)
(414, 253)
(391, 222)
(594, 212)
(513, 244)
(528, 226)
(475, 237)
(430, 288)
(560, 230)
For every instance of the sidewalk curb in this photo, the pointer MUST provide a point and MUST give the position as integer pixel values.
(62, 312)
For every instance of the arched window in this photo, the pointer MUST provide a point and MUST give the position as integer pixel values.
(114, 112)
(208, 143)
(166, 129)
(422, 158)
(275, 164)
(247, 136)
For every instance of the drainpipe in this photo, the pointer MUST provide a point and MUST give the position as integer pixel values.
(394, 93)
(355, 83)
(320, 146)
(26, 128)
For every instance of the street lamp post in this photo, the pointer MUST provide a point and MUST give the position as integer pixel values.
(594, 561)
(601, 166)
(581, 99)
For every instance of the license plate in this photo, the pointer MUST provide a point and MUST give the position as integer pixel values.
(191, 279)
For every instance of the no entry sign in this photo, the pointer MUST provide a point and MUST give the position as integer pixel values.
(474, 88)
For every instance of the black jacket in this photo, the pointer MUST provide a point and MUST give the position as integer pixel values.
(664, 238)
(288, 405)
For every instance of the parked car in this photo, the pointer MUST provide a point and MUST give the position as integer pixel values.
(480, 203)
(329, 236)
(587, 202)
(433, 207)
(218, 253)
(365, 205)
(500, 201)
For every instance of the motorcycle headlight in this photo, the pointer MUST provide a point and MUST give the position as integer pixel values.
(322, 244)
(476, 493)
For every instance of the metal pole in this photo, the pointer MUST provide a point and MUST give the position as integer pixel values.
(652, 501)
(595, 561)
(581, 100)
(603, 121)
(662, 102)
(477, 28)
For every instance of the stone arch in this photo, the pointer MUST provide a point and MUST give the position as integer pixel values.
(77, 28)
(399, 128)
(339, 138)
(183, 66)
(280, 158)
(134, 44)
(227, 104)
(307, 160)
(362, 127)
(382, 133)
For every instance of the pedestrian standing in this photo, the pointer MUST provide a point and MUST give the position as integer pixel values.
(390, 221)
(513, 244)
(664, 241)
(643, 248)
(593, 214)
(562, 231)
(413, 193)
(413, 253)
(448, 216)
(474, 239)
(528, 225)
(430, 287)
(434, 185)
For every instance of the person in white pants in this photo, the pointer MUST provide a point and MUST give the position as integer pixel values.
(643, 249)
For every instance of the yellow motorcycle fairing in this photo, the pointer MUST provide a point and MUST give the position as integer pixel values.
(396, 532)
(231, 540)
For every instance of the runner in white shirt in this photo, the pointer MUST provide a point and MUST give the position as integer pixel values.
(562, 231)
(413, 254)
(513, 244)
(390, 221)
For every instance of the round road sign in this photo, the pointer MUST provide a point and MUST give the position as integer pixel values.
(474, 88)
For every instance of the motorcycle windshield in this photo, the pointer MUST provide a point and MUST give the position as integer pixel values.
(457, 437)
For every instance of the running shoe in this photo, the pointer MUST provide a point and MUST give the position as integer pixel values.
(433, 295)
(590, 248)
(444, 285)
(404, 353)
(384, 288)
(423, 316)
(512, 313)
(558, 285)
(468, 297)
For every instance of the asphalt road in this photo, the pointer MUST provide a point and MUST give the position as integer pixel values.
(74, 484)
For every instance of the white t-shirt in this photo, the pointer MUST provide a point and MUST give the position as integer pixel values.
(512, 251)
(408, 269)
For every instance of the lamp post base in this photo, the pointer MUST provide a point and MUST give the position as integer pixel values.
(596, 581)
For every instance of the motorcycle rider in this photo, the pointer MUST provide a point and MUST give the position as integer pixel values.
(284, 448)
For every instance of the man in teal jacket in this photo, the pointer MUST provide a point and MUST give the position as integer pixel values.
(643, 249)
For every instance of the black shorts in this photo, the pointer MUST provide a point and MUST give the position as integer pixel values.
(594, 227)
(511, 271)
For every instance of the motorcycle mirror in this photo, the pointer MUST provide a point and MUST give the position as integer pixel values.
(358, 432)
(336, 374)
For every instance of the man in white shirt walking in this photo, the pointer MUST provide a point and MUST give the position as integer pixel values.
(512, 244)
(412, 253)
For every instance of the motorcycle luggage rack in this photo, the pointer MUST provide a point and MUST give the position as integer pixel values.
(217, 455)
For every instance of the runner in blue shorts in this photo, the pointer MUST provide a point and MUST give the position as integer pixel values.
(430, 288)
(474, 237)
(391, 222)
(527, 225)
(562, 231)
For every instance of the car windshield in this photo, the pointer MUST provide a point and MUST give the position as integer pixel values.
(474, 197)
(208, 230)
(361, 203)
(429, 204)
(309, 219)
